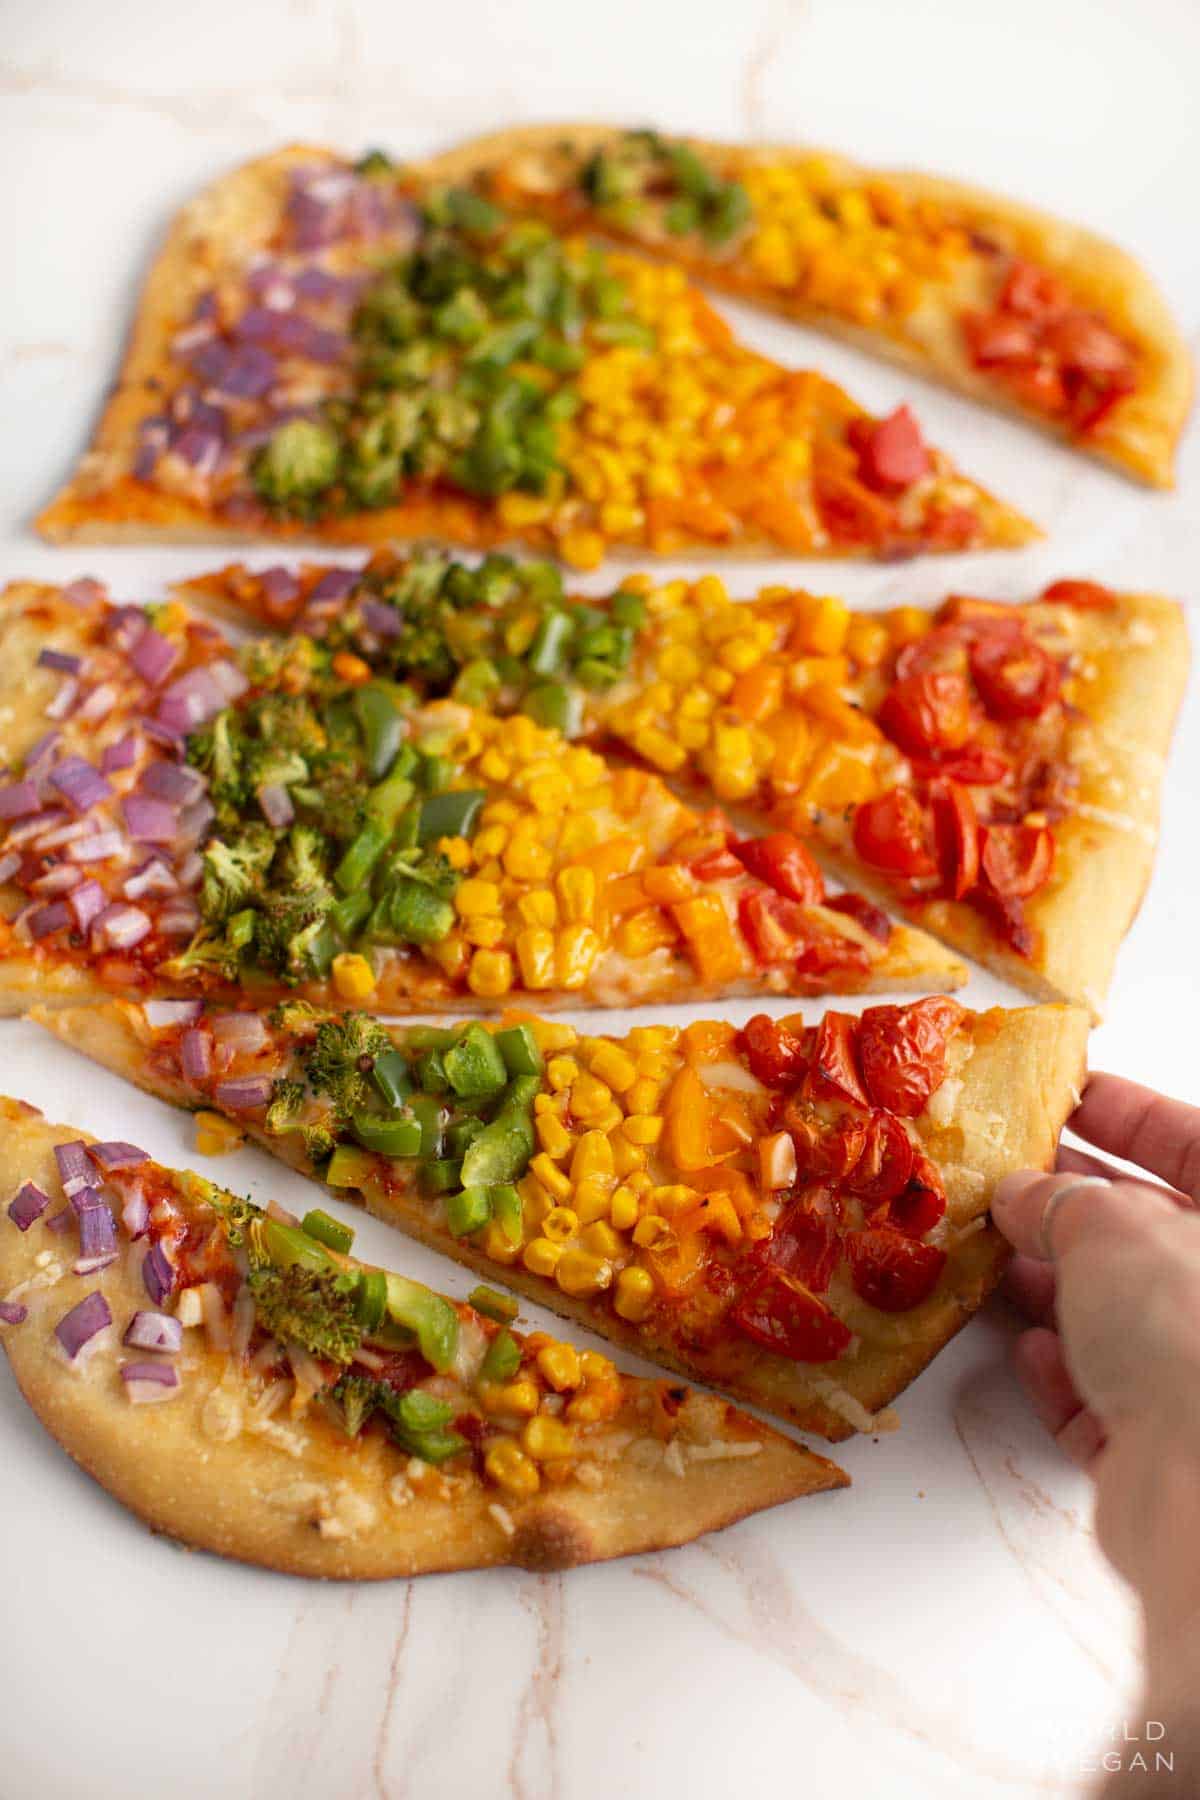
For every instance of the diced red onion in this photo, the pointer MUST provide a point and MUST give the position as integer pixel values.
(148, 1383)
(179, 918)
(84, 592)
(41, 750)
(12, 1314)
(87, 903)
(168, 736)
(280, 587)
(98, 705)
(83, 1323)
(60, 659)
(383, 620)
(227, 678)
(57, 880)
(154, 877)
(120, 755)
(154, 1331)
(100, 847)
(190, 701)
(335, 584)
(191, 870)
(27, 1205)
(18, 799)
(36, 828)
(150, 821)
(62, 1221)
(154, 656)
(64, 700)
(243, 1032)
(53, 834)
(244, 1093)
(121, 927)
(47, 919)
(135, 1213)
(216, 1319)
(158, 1275)
(250, 372)
(124, 625)
(242, 1320)
(196, 1054)
(162, 1015)
(199, 449)
(9, 865)
(289, 333)
(74, 1166)
(114, 1154)
(174, 781)
(276, 803)
(195, 819)
(97, 1234)
(80, 785)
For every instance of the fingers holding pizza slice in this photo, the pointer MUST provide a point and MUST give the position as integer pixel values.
(241, 1383)
(795, 1214)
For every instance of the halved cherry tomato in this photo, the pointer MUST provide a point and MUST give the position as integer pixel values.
(774, 927)
(892, 833)
(923, 1201)
(1008, 915)
(824, 1152)
(1017, 859)
(872, 918)
(886, 1164)
(784, 1316)
(804, 1243)
(902, 1051)
(956, 834)
(1084, 342)
(930, 711)
(776, 1055)
(824, 952)
(716, 865)
(974, 765)
(942, 649)
(1034, 293)
(999, 338)
(781, 860)
(833, 1074)
(1015, 680)
(890, 1271)
(1088, 594)
(891, 452)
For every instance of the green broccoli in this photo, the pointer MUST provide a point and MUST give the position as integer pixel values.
(236, 1214)
(287, 927)
(357, 1396)
(342, 1057)
(297, 463)
(209, 953)
(287, 1098)
(418, 1420)
(320, 1140)
(219, 750)
(303, 859)
(234, 871)
(314, 1308)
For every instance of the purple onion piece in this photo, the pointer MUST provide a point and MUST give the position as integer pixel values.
(99, 847)
(280, 587)
(9, 865)
(244, 1093)
(161, 1015)
(383, 620)
(41, 750)
(335, 584)
(58, 880)
(154, 656)
(276, 804)
(173, 781)
(178, 918)
(150, 821)
(12, 1314)
(18, 799)
(121, 927)
(82, 1323)
(154, 1331)
(242, 1032)
(196, 1054)
(87, 903)
(60, 659)
(154, 877)
(27, 1205)
(84, 592)
(63, 703)
(158, 1276)
(146, 1383)
(98, 704)
(45, 920)
(80, 785)
(114, 1154)
(120, 755)
(135, 1213)
(74, 1166)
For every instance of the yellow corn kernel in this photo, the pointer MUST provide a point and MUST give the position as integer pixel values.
(535, 952)
(526, 860)
(679, 664)
(553, 1135)
(538, 907)
(628, 1159)
(560, 1224)
(641, 1183)
(659, 749)
(652, 1232)
(581, 1274)
(589, 1097)
(456, 850)
(583, 549)
(561, 1071)
(634, 1296)
(673, 1198)
(593, 1156)
(493, 766)
(599, 1400)
(353, 976)
(576, 949)
(536, 1203)
(451, 956)
(737, 654)
(548, 1440)
(597, 1367)
(490, 841)
(644, 1095)
(718, 681)
(496, 1244)
(551, 1177)
(483, 931)
(504, 1462)
(576, 890)
(520, 1396)
(490, 974)
(541, 1256)
(613, 1065)
(601, 1240)
(642, 1128)
(591, 1197)
(867, 642)
(216, 1136)
(473, 897)
(624, 1208)
(553, 1036)
(560, 1365)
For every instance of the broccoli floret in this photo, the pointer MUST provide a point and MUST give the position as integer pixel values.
(219, 751)
(356, 1396)
(314, 1308)
(286, 929)
(342, 1057)
(287, 1098)
(418, 1420)
(234, 871)
(295, 1016)
(320, 1141)
(298, 462)
(236, 1214)
(208, 954)
(303, 859)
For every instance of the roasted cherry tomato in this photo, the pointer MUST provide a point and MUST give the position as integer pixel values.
(783, 1315)
(1088, 594)
(784, 863)
(776, 1055)
(927, 712)
(941, 650)
(1034, 293)
(1016, 680)
(872, 918)
(1085, 343)
(883, 1169)
(774, 927)
(833, 1074)
(823, 952)
(892, 833)
(824, 1152)
(804, 1243)
(923, 1201)
(892, 453)
(1017, 859)
(974, 765)
(890, 1271)
(716, 865)
(902, 1052)
(956, 834)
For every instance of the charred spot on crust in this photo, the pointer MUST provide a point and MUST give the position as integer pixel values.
(549, 1539)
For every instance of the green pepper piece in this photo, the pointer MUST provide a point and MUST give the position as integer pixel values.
(434, 772)
(288, 1247)
(419, 1426)
(477, 681)
(522, 1089)
(426, 1109)
(347, 914)
(730, 210)
(362, 855)
(503, 1358)
(442, 1176)
(429, 1037)
(548, 645)
(502, 345)
(411, 912)
(555, 705)
(389, 1137)
(431, 1072)
(681, 217)
(467, 1211)
(371, 1300)
(508, 1212)
(349, 1167)
(462, 1135)
(628, 609)
(503, 1308)
(381, 726)
(387, 801)
(320, 950)
(501, 1152)
(474, 1066)
(433, 1319)
(519, 1048)
(451, 814)
(391, 1076)
(327, 1230)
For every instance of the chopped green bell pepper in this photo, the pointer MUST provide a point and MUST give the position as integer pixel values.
(381, 725)
(389, 1137)
(508, 1212)
(503, 1308)
(467, 1211)
(362, 855)
(426, 1109)
(474, 1065)
(349, 1167)
(441, 1176)
(519, 1048)
(503, 1358)
(419, 1423)
(391, 1076)
(327, 1230)
(371, 1299)
(451, 814)
(433, 1319)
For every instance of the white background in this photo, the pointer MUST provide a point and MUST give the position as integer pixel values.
(946, 1627)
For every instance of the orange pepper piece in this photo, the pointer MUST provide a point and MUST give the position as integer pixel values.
(757, 693)
(709, 936)
(687, 1117)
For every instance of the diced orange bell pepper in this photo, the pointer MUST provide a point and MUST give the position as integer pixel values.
(756, 694)
(791, 735)
(687, 1117)
(677, 1268)
(716, 1214)
(667, 882)
(707, 1041)
(710, 937)
(837, 779)
(732, 1182)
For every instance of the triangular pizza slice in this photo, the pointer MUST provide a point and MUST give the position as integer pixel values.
(796, 1214)
(334, 351)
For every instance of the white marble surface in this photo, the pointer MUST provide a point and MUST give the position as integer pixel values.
(945, 1628)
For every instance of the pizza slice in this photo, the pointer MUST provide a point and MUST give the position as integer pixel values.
(238, 1381)
(340, 351)
(1004, 303)
(794, 1214)
(186, 817)
(993, 769)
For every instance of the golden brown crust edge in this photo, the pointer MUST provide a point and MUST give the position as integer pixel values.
(1025, 1062)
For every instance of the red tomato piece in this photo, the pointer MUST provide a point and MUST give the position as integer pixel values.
(717, 865)
(892, 452)
(892, 833)
(956, 833)
(834, 1072)
(782, 1315)
(890, 1271)
(1034, 293)
(883, 1169)
(824, 1152)
(974, 765)
(1085, 343)
(804, 1243)
(999, 338)
(776, 1055)
(944, 648)
(1017, 859)
(1015, 680)
(872, 918)
(784, 863)
(926, 712)
(773, 927)
(923, 1201)
(902, 1050)
(1088, 594)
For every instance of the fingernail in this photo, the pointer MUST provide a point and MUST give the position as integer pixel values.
(1009, 1188)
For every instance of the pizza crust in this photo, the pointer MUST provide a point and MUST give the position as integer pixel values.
(1142, 434)
(1019, 1085)
(327, 1511)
